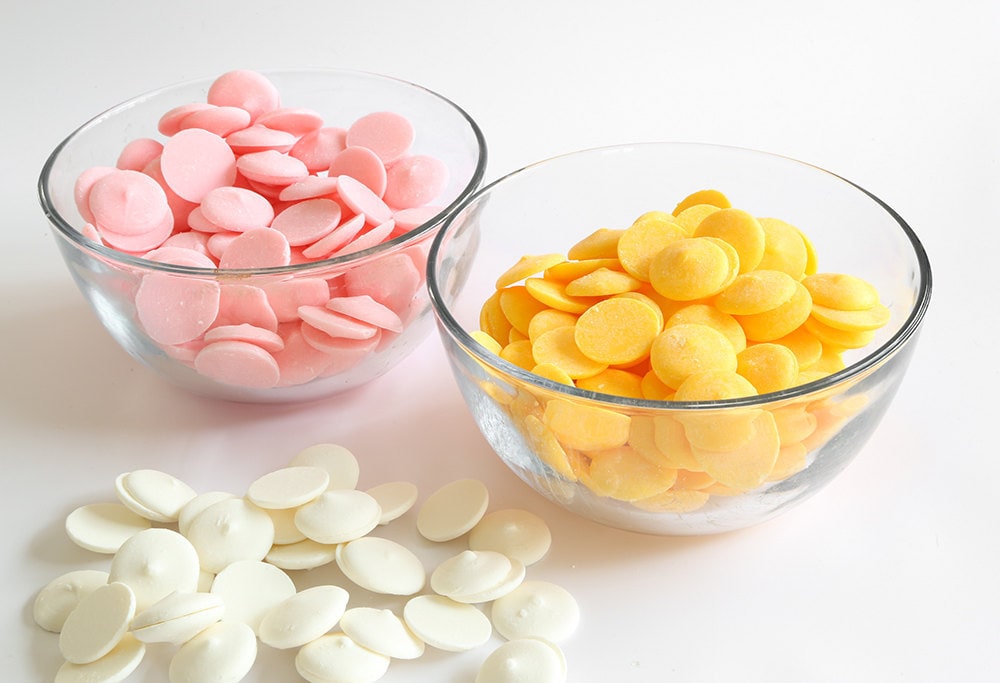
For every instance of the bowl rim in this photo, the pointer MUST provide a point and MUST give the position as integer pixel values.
(108, 254)
(857, 369)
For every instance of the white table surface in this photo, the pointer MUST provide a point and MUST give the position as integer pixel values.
(890, 574)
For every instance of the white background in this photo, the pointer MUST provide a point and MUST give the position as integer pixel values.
(890, 574)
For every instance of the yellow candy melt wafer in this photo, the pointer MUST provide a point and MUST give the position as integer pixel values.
(602, 282)
(768, 367)
(689, 269)
(558, 347)
(548, 319)
(585, 427)
(748, 466)
(852, 321)
(613, 381)
(684, 350)
(488, 342)
(709, 196)
(784, 248)
(520, 354)
(703, 314)
(780, 321)
(528, 266)
(621, 473)
(519, 307)
(602, 243)
(841, 291)
(553, 295)
(644, 239)
(738, 228)
(567, 271)
(756, 292)
(617, 331)
(492, 320)
(553, 372)
(547, 446)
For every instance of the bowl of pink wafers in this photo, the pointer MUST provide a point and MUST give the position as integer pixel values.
(263, 236)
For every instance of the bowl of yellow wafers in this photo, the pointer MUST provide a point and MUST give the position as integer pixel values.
(677, 338)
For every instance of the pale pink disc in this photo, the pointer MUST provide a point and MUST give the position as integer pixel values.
(174, 309)
(137, 244)
(366, 309)
(318, 148)
(299, 362)
(408, 219)
(137, 154)
(386, 133)
(272, 167)
(195, 162)
(335, 324)
(391, 280)
(219, 242)
(268, 190)
(246, 89)
(307, 221)
(237, 209)
(238, 363)
(197, 221)
(186, 352)
(347, 353)
(310, 187)
(257, 248)
(170, 123)
(91, 233)
(344, 233)
(258, 138)
(180, 256)
(372, 238)
(81, 189)
(188, 240)
(219, 120)
(268, 340)
(249, 304)
(298, 121)
(286, 296)
(363, 165)
(414, 181)
(360, 199)
(180, 207)
(335, 346)
(128, 203)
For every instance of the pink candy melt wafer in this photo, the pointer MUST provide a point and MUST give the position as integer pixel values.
(127, 203)
(258, 138)
(386, 133)
(415, 181)
(366, 309)
(195, 162)
(138, 154)
(219, 120)
(272, 167)
(363, 165)
(335, 324)
(257, 248)
(239, 363)
(295, 120)
(245, 89)
(237, 209)
(248, 304)
(360, 199)
(318, 148)
(268, 340)
(307, 221)
(175, 309)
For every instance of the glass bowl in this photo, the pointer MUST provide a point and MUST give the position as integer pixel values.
(665, 466)
(287, 362)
